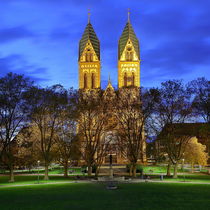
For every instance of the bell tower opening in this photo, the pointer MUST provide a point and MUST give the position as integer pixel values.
(133, 79)
(125, 80)
(93, 80)
(85, 81)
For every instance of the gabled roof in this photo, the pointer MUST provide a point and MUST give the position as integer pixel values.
(188, 129)
(89, 34)
(109, 86)
(128, 33)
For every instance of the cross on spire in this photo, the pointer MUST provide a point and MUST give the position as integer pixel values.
(129, 15)
(88, 15)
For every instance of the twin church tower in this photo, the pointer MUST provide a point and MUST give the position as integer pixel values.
(90, 59)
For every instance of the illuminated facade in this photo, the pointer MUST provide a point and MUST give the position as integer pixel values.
(128, 71)
(128, 58)
(89, 60)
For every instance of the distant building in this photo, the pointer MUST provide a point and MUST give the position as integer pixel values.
(199, 130)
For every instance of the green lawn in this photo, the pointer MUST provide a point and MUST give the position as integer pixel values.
(186, 178)
(95, 196)
(163, 169)
(22, 179)
(60, 170)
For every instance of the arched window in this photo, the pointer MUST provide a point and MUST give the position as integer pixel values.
(129, 54)
(125, 79)
(91, 57)
(133, 79)
(88, 56)
(85, 80)
(93, 80)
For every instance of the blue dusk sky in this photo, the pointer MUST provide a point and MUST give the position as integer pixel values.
(39, 38)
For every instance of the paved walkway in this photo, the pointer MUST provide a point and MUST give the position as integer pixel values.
(95, 181)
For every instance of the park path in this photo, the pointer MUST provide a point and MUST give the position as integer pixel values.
(47, 183)
(95, 181)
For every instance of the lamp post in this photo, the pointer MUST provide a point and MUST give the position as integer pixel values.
(38, 170)
(110, 166)
(69, 167)
(183, 169)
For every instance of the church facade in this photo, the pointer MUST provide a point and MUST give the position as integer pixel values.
(89, 62)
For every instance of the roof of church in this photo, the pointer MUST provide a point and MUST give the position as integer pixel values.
(128, 33)
(89, 34)
(109, 85)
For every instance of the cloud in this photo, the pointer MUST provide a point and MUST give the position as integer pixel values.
(174, 36)
(17, 64)
(15, 33)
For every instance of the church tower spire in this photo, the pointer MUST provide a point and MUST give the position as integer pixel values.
(128, 57)
(128, 15)
(89, 59)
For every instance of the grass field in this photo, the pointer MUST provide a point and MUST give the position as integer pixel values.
(96, 196)
(58, 170)
(190, 178)
(163, 169)
(32, 180)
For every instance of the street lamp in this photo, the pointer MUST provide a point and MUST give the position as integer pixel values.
(38, 169)
(69, 167)
(183, 169)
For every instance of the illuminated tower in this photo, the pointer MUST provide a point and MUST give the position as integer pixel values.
(89, 59)
(128, 58)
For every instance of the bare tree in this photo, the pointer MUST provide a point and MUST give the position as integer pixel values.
(201, 101)
(175, 142)
(27, 147)
(174, 106)
(47, 107)
(67, 142)
(14, 112)
(132, 111)
(92, 120)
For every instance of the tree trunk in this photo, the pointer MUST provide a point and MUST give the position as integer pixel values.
(175, 170)
(97, 171)
(134, 170)
(11, 177)
(46, 176)
(192, 168)
(169, 169)
(200, 168)
(89, 170)
(131, 170)
(66, 169)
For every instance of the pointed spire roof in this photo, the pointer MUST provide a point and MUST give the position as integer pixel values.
(109, 85)
(89, 35)
(128, 33)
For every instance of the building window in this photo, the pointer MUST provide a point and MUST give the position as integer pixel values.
(133, 79)
(125, 79)
(93, 80)
(88, 56)
(129, 54)
(85, 80)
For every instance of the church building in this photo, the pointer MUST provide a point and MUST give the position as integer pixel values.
(89, 62)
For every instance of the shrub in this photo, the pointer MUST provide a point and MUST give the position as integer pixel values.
(139, 168)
